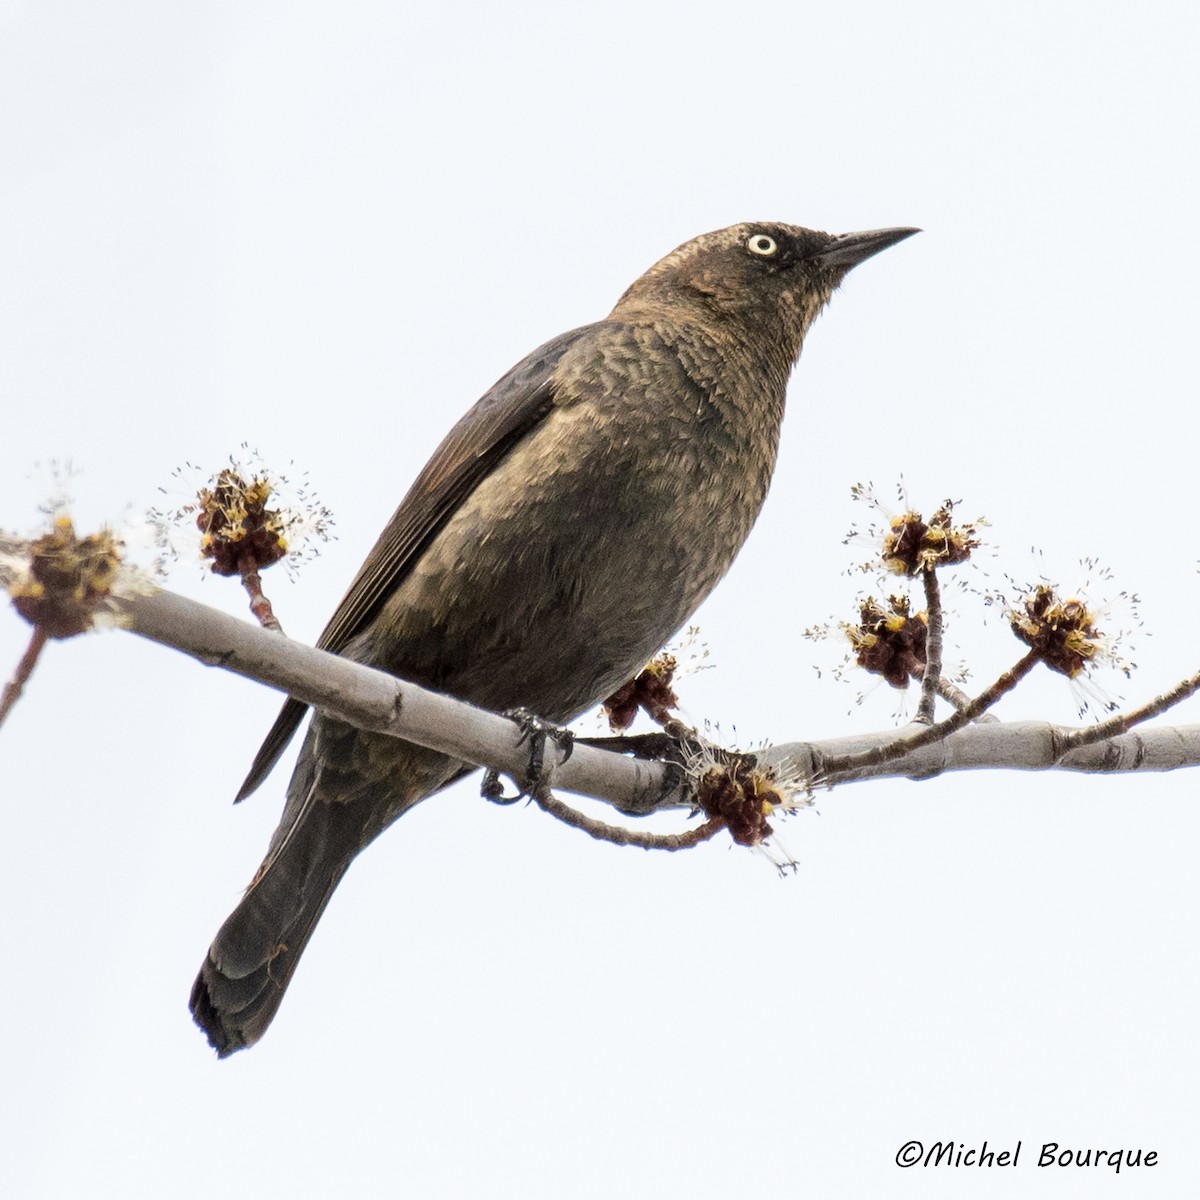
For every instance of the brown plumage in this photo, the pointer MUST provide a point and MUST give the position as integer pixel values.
(565, 528)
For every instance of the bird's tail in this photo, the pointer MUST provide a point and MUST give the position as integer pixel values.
(251, 960)
(348, 787)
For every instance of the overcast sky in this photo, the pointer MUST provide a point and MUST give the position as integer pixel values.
(325, 230)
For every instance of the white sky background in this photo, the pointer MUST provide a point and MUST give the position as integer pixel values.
(326, 230)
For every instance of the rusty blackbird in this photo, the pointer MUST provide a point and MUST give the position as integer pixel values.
(562, 531)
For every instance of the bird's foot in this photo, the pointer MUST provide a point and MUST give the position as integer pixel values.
(536, 732)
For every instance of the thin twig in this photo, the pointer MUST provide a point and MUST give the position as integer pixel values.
(20, 677)
(260, 606)
(1123, 722)
(933, 647)
(953, 694)
(875, 756)
(618, 835)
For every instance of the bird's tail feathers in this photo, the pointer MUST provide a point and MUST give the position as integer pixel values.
(251, 960)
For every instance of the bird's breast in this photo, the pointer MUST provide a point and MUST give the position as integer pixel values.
(590, 544)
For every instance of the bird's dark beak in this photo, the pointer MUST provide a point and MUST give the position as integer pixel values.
(847, 250)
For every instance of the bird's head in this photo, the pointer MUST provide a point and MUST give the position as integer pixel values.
(766, 277)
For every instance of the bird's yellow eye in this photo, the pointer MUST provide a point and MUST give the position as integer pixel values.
(759, 243)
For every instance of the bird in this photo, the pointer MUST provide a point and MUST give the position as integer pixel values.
(563, 530)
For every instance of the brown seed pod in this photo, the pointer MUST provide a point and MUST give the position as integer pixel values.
(67, 579)
(890, 641)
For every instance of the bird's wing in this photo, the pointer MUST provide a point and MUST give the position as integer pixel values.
(505, 415)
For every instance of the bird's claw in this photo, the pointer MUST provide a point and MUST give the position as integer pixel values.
(537, 732)
(492, 788)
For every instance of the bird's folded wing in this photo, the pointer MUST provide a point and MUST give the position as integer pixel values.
(506, 414)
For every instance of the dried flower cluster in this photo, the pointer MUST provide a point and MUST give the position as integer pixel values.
(913, 545)
(734, 788)
(249, 518)
(1063, 633)
(742, 796)
(66, 579)
(907, 543)
(237, 527)
(889, 641)
(650, 689)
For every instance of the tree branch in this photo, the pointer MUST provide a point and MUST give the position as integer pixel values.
(1011, 745)
(376, 701)
(379, 702)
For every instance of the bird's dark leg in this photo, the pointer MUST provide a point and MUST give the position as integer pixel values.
(674, 743)
(536, 732)
(653, 746)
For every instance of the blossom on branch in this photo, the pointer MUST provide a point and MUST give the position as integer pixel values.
(247, 516)
(64, 580)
